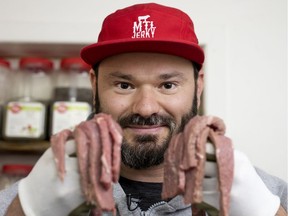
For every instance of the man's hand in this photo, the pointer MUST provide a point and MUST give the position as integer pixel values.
(249, 194)
(43, 193)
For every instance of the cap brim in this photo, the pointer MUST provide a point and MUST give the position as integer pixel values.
(95, 53)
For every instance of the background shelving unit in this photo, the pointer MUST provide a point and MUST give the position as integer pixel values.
(22, 151)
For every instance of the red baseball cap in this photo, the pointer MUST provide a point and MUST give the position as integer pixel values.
(146, 28)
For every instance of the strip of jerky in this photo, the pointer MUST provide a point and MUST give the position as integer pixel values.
(83, 158)
(200, 169)
(216, 124)
(179, 157)
(189, 157)
(103, 197)
(225, 164)
(169, 188)
(190, 160)
(106, 160)
(58, 142)
(117, 137)
(192, 130)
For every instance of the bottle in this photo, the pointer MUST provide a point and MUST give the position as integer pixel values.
(12, 173)
(5, 81)
(25, 116)
(72, 98)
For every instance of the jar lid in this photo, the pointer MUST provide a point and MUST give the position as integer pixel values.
(36, 62)
(74, 63)
(19, 169)
(4, 63)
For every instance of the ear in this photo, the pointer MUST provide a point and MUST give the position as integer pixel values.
(93, 81)
(200, 86)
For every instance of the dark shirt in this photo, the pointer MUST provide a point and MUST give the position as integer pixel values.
(145, 194)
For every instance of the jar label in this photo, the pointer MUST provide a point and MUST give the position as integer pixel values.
(25, 119)
(66, 115)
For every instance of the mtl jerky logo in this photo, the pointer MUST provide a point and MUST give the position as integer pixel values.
(143, 28)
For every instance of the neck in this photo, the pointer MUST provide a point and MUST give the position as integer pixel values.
(151, 174)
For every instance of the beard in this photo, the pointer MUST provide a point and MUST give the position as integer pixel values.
(146, 151)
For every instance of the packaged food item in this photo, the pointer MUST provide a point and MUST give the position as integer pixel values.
(5, 83)
(72, 96)
(12, 173)
(25, 114)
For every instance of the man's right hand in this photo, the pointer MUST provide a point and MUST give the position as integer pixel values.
(43, 193)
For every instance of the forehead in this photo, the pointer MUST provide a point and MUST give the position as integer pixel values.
(148, 63)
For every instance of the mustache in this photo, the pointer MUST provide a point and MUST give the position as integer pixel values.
(155, 119)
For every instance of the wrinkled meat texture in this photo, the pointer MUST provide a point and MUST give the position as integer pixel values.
(98, 144)
(175, 175)
(225, 162)
(196, 134)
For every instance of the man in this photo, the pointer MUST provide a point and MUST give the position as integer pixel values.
(146, 76)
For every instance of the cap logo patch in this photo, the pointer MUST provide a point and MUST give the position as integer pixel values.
(143, 28)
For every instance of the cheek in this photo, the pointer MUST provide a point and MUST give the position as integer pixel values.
(180, 105)
(112, 104)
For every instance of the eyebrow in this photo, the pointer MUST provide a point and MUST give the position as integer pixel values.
(129, 77)
(118, 74)
(167, 76)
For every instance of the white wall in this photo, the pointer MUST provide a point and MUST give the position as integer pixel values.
(246, 59)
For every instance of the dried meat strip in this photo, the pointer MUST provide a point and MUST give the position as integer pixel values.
(191, 132)
(58, 142)
(98, 144)
(225, 165)
(83, 158)
(196, 133)
(169, 171)
(172, 173)
(106, 173)
(102, 196)
(116, 135)
(179, 157)
(200, 168)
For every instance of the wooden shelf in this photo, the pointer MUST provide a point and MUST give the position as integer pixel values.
(24, 146)
(50, 50)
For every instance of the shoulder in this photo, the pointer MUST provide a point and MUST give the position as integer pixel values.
(276, 185)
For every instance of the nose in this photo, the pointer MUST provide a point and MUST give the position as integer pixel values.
(146, 102)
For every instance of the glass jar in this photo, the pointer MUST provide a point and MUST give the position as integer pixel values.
(12, 173)
(36, 76)
(72, 81)
(72, 96)
(25, 116)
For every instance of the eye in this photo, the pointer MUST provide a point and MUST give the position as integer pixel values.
(124, 85)
(168, 85)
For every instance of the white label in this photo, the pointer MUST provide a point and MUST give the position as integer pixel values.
(25, 119)
(66, 115)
